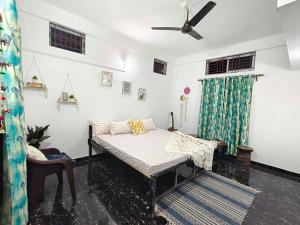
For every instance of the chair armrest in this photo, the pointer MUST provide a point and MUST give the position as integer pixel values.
(50, 151)
(64, 162)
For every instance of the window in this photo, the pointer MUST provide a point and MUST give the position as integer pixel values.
(231, 64)
(66, 38)
(160, 67)
(217, 66)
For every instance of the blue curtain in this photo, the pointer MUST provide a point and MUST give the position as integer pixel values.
(14, 208)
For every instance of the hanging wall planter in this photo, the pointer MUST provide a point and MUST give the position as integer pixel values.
(37, 81)
(67, 97)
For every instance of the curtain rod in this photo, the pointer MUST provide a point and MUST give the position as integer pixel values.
(255, 75)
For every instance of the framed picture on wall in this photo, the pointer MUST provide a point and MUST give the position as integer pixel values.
(126, 88)
(106, 79)
(142, 94)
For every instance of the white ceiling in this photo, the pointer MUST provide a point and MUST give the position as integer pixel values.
(230, 22)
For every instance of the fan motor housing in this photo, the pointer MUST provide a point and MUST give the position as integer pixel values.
(186, 29)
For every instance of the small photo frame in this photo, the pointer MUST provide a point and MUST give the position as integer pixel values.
(126, 88)
(142, 94)
(106, 79)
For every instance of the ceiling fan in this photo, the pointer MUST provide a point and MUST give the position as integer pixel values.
(189, 24)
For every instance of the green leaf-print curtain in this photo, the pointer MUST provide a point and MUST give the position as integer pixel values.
(14, 207)
(225, 110)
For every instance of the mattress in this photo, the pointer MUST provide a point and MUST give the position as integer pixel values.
(144, 152)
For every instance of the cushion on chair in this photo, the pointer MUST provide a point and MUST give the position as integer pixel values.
(59, 156)
(34, 153)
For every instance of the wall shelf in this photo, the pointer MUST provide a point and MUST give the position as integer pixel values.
(66, 98)
(68, 102)
(60, 101)
(38, 86)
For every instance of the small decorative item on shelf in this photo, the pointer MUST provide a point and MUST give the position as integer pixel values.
(65, 96)
(34, 80)
(35, 137)
(72, 98)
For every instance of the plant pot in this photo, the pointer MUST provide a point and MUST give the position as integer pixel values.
(37, 145)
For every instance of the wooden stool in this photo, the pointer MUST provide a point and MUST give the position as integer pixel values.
(244, 155)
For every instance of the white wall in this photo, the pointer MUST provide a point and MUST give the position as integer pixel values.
(289, 14)
(284, 2)
(104, 48)
(275, 121)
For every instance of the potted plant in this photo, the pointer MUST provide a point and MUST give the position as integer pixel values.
(34, 79)
(72, 98)
(36, 136)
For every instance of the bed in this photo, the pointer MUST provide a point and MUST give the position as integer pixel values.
(144, 153)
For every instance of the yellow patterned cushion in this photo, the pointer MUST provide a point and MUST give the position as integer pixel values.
(137, 127)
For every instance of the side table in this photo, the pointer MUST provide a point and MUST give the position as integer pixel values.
(244, 155)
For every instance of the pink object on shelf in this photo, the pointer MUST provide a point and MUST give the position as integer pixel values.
(187, 91)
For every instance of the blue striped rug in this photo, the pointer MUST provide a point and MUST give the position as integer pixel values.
(207, 199)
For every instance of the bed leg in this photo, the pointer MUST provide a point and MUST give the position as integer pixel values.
(176, 177)
(90, 141)
(153, 197)
(90, 150)
(194, 169)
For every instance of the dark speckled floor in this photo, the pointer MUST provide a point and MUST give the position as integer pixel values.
(108, 192)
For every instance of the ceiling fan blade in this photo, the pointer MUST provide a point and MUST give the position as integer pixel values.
(166, 28)
(195, 35)
(202, 13)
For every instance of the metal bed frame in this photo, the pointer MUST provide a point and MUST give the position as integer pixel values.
(152, 181)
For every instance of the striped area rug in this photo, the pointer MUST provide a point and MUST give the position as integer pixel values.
(207, 199)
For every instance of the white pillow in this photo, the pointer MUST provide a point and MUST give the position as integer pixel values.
(34, 153)
(149, 124)
(119, 127)
(99, 128)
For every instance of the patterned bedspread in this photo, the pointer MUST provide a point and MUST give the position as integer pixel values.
(200, 151)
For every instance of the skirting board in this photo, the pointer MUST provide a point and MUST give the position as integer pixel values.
(272, 169)
(277, 171)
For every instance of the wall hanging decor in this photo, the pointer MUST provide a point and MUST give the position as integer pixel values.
(186, 91)
(14, 209)
(126, 88)
(106, 79)
(35, 82)
(141, 94)
(184, 104)
(67, 96)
